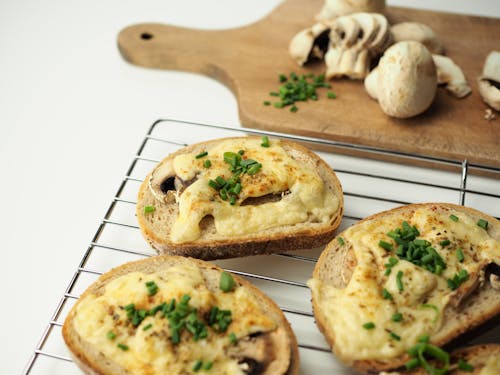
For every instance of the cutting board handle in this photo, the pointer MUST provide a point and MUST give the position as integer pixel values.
(170, 47)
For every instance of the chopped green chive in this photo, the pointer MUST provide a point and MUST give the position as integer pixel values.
(331, 95)
(340, 241)
(122, 347)
(397, 317)
(149, 209)
(111, 335)
(265, 141)
(399, 282)
(197, 365)
(208, 365)
(459, 278)
(267, 102)
(454, 218)
(445, 243)
(369, 325)
(274, 93)
(207, 163)
(388, 271)
(278, 105)
(385, 245)
(394, 336)
(463, 365)
(483, 224)
(424, 338)
(226, 282)
(241, 152)
(146, 327)
(232, 338)
(386, 294)
(282, 78)
(460, 255)
(201, 154)
(152, 288)
(412, 364)
(294, 108)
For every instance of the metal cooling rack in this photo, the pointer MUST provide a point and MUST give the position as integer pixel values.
(369, 186)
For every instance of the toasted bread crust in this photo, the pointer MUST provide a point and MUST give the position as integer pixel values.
(91, 361)
(284, 238)
(336, 264)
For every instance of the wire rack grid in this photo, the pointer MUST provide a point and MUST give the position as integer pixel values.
(369, 186)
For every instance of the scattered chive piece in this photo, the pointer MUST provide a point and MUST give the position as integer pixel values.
(197, 365)
(226, 282)
(265, 141)
(463, 365)
(152, 288)
(149, 209)
(386, 294)
(385, 245)
(395, 337)
(397, 317)
(331, 95)
(274, 93)
(111, 335)
(232, 338)
(340, 241)
(207, 163)
(283, 78)
(294, 108)
(412, 363)
(147, 327)
(459, 278)
(454, 218)
(201, 154)
(122, 347)
(208, 365)
(483, 224)
(460, 255)
(424, 338)
(279, 105)
(399, 282)
(267, 102)
(369, 325)
(241, 152)
(388, 271)
(445, 243)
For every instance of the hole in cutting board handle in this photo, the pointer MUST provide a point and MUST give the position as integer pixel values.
(146, 36)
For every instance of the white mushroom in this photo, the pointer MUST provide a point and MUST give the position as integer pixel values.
(336, 8)
(354, 40)
(310, 43)
(405, 80)
(451, 75)
(163, 183)
(489, 82)
(418, 32)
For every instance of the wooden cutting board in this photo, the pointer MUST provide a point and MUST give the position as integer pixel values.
(249, 59)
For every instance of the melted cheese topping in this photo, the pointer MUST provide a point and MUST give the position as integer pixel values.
(361, 301)
(307, 200)
(151, 351)
(492, 366)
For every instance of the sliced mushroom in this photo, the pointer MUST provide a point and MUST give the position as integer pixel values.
(489, 82)
(405, 80)
(450, 74)
(354, 40)
(336, 8)
(264, 354)
(309, 44)
(164, 184)
(419, 33)
(467, 288)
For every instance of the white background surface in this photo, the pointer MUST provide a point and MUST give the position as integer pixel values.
(72, 115)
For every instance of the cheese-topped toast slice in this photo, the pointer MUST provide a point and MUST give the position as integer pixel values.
(239, 196)
(422, 270)
(178, 315)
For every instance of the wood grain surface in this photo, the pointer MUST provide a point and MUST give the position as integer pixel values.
(249, 59)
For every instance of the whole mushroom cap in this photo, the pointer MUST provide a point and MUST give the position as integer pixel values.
(407, 79)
